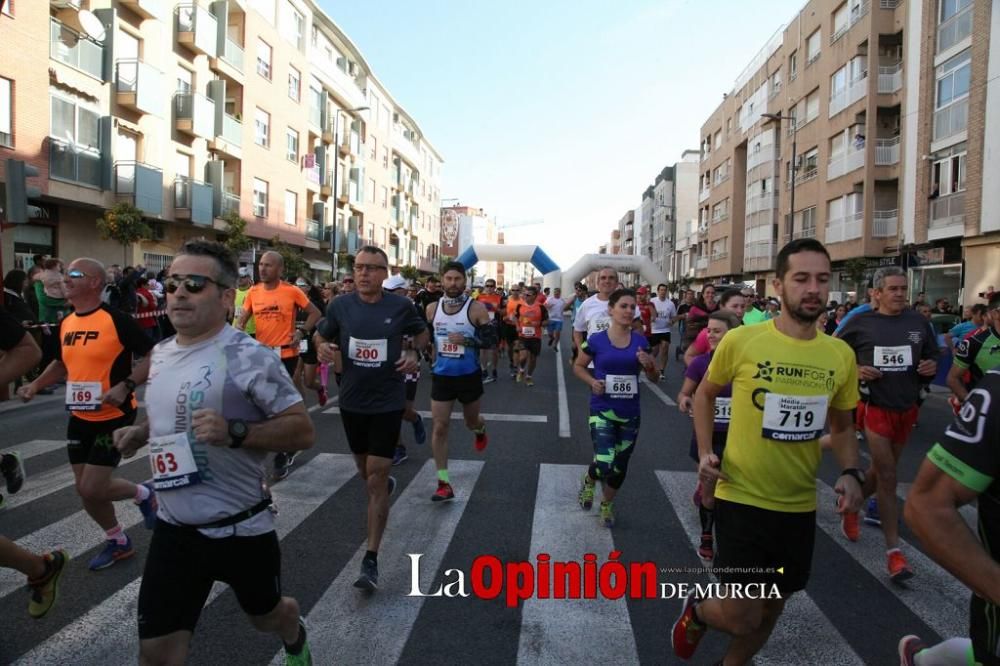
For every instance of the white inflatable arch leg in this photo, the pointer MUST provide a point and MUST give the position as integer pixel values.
(623, 263)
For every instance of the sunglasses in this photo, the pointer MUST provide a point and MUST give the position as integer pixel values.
(193, 284)
(75, 274)
(371, 268)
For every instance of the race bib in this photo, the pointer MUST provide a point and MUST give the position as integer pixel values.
(793, 418)
(368, 353)
(621, 387)
(723, 410)
(172, 462)
(303, 346)
(450, 349)
(528, 331)
(83, 396)
(893, 358)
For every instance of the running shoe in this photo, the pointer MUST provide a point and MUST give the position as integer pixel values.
(112, 552)
(392, 485)
(586, 496)
(706, 550)
(303, 658)
(687, 631)
(321, 395)
(528, 381)
(482, 439)
(909, 646)
(607, 514)
(12, 468)
(871, 513)
(282, 466)
(399, 457)
(520, 376)
(419, 431)
(849, 524)
(148, 508)
(696, 498)
(368, 580)
(858, 435)
(494, 375)
(45, 590)
(488, 379)
(443, 493)
(899, 569)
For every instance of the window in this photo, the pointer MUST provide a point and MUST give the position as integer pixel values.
(184, 78)
(6, 112)
(948, 175)
(292, 145)
(385, 158)
(838, 142)
(385, 197)
(371, 190)
(718, 139)
(374, 143)
(838, 82)
(839, 22)
(292, 24)
(291, 204)
(73, 123)
(812, 106)
(953, 79)
(259, 197)
(294, 83)
(8, 8)
(264, 59)
(813, 47)
(793, 65)
(262, 128)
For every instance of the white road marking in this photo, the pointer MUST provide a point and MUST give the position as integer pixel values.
(664, 398)
(457, 416)
(564, 429)
(36, 447)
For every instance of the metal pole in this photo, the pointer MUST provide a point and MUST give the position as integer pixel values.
(335, 227)
(795, 157)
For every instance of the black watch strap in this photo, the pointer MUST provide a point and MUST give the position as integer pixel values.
(856, 473)
(129, 383)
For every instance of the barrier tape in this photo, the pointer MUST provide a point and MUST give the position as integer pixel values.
(135, 315)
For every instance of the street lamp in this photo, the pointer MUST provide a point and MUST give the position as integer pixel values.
(778, 118)
(335, 230)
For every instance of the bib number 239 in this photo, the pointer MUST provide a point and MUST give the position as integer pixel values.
(790, 418)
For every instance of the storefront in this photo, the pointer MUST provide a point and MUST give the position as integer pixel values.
(936, 271)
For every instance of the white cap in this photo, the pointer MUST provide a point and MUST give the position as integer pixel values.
(395, 282)
(245, 271)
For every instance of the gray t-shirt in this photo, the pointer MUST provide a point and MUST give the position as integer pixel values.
(370, 336)
(239, 378)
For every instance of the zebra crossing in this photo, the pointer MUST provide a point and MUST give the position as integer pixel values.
(94, 621)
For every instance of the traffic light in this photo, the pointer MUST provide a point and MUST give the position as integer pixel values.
(17, 209)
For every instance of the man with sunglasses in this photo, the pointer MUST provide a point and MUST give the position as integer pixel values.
(364, 332)
(223, 403)
(347, 285)
(97, 344)
(274, 304)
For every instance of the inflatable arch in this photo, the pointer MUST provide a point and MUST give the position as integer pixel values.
(532, 253)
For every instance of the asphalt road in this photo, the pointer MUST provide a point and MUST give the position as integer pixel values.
(515, 501)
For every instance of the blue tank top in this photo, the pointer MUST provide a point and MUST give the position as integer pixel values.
(620, 370)
(450, 359)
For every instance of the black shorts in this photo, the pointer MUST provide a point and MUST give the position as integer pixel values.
(464, 388)
(411, 390)
(372, 434)
(531, 345)
(89, 442)
(182, 565)
(751, 538)
(983, 631)
(657, 338)
(309, 355)
(508, 332)
(718, 445)
(290, 364)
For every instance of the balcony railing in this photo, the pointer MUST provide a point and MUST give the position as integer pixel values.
(74, 163)
(887, 151)
(765, 154)
(808, 173)
(845, 228)
(197, 29)
(232, 53)
(857, 89)
(232, 130)
(314, 230)
(195, 114)
(808, 232)
(761, 202)
(759, 255)
(313, 174)
(948, 210)
(139, 86)
(845, 162)
(142, 183)
(856, 14)
(718, 256)
(229, 203)
(955, 29)
(701, 264)
(951, 120)
(704, 195)
(885, 223)
(719, 216)
(890, 78)
(889, 4)
(75, 49)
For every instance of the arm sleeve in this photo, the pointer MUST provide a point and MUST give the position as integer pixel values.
(722, 369)
(846, 396)
(301, 299)
(696, 369)
(131, 336)
(969, 451)
(11, 332)
(248, 301)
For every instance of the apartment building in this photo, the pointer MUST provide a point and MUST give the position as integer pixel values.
(464, 226)
(626, 232)
(873, 142)
(191, 110)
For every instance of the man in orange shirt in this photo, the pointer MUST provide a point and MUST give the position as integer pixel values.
(274, 304)
(490, 358)
(530, 316)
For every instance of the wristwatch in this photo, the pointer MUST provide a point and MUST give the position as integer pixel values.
(129, 384)
(856, 473)
(238, 431)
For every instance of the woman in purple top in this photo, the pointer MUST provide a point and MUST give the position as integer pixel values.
(619, 355)
(719, 323)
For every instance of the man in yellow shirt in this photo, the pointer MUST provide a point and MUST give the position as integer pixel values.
(787, 382)
(242, 289)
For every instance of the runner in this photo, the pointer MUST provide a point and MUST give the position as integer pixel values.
(719, 323)
(666, 315)
(461, 327)
(369, 325)
(20, 354)
(962, 466)
(787, 380)
(274, 305)
(509, 329)
(978, 354)
(580, 296)
(683, 308)
(731, 300)
(896, 357)
(306, 375)
(593, 314)
(397, 284)
(619, 354)
(530, 317)
(242, 289)
(95, 358)
(225, 402)
(490, 358)
(646, 312)
(555, 306)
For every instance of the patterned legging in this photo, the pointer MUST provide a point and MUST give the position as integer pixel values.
(614, 440)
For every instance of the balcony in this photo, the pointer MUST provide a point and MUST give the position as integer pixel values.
(703, 230)
(948, 210)
(193, 200)
(759, 256)
(857, 14)
(889, 4)
(765, 154)
(197, 29)
(842, 99)
(138, 86)
(954, 30)
(761, 202)
(846, 228)
(232, 53)
(427, 265)
(313, 174)
(887, 151)
(406, 149)
(721, 177)
(951, 120)
(194, 115)
(75, 49)
(141, 184)
(74, 163)
(807, 232)
(885, 223)
(809, 172)
(844, 162)
(701, 264)
(719, 256)
(229, 203)
(314, 230)
(890, 78)
(719, 216)
(704, 195)
(228, 139)
(147, 9)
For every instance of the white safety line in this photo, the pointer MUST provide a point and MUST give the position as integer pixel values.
(36, 447)
(564, 429)
(664, 398)
(457, 416)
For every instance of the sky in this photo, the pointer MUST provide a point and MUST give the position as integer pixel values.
(556, 110)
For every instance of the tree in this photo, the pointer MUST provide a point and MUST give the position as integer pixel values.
(295, 265)
(409, 272)
(236, 236)
(125, 224)
(856, 270)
